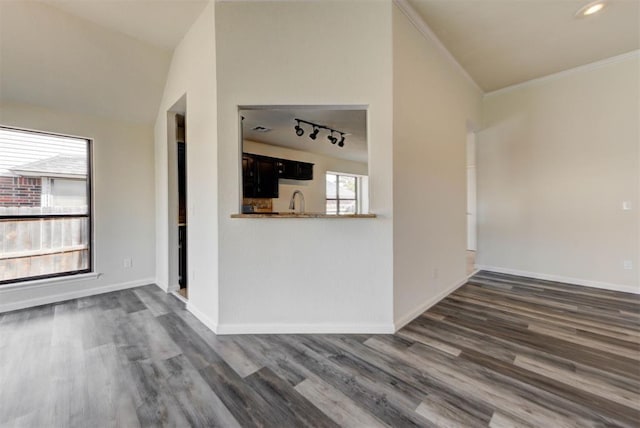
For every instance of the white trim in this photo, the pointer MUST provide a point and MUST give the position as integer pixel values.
(69, 295)
(179, 296)
(47, 282)
(417, 21)
(569, 72)
(320, 328)
(563, 279)
(431, 301)
(204, 319)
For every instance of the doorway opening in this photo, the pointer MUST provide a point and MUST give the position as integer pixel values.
(177, 215)
(471, 203)
(182, 204)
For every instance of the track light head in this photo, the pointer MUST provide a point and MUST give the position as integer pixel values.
(299, 131)
(314, 134)
(331, 138)
(341, 143)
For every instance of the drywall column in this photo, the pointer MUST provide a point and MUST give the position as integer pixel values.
(305, 275)
(432, 103)
(193, 73)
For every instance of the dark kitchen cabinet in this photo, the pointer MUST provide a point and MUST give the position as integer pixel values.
(305, 171)
(294, 170)
(259, 176)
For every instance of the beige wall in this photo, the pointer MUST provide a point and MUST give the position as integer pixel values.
(314, 191)
(432, 104)
(556, 158)
(122, 198)
(305, 275)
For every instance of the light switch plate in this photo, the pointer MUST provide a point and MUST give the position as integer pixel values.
(626, 205)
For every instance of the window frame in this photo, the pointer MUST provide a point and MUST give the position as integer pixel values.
(88, 215)
(357, 199)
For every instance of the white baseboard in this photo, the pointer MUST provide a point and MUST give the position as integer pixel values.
(378, 328)
(564, 279)
(222, 329)
(418, 310)
(204, 319)
(179, 296)
(69, 295)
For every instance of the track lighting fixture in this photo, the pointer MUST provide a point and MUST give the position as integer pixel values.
(314, 134)
(316, 129)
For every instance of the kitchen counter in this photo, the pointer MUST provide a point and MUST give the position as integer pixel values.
(299, 215)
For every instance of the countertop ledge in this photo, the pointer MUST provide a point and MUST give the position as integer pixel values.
(301, 215)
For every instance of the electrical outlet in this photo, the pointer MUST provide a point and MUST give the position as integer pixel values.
(627, 264)
(626, 205)
(127, 262)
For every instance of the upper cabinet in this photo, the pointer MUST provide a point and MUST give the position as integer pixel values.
(260, 174)
(260, 177)
(294, 170)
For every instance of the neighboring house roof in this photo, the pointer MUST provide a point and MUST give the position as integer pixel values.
(56, 166)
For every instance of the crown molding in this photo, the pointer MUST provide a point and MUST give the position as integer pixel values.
(417, 21)
(559, 75)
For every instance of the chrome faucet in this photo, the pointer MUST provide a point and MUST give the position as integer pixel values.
(292, 203)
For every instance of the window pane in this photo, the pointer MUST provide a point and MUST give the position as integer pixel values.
(331, 186)
(42, 174)
(347, 187)
(332, 206)
(43, 247)
(347, 206)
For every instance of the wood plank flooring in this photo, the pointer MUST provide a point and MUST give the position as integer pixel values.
(502, 351)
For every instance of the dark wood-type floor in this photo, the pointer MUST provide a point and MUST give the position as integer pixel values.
(501, 351)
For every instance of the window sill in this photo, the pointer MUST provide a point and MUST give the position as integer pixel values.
(45, 282)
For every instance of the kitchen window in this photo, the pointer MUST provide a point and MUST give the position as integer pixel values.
(346, 193)
(45, 205)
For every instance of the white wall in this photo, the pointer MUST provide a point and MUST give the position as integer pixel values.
(471, 192)
(123, 203)
(192, 72)
(314, 191)
(556, 158)
(305, 275)
(432, 104)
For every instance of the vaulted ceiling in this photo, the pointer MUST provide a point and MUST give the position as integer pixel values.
(110, 58)
(504, 42)
(103, 58)
(159, 23)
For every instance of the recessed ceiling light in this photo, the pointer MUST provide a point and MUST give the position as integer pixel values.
(591, 8)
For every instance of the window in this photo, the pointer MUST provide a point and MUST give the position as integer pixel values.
(45, 205)
(346, 193)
